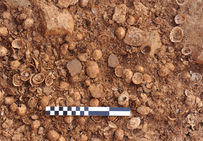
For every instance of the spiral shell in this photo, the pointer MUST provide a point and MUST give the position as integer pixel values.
(137, 78)
(123, 99)
(16, 80)
(18, 43)
(176, 34)
(180, 19)
(26, 74)
(37, 79)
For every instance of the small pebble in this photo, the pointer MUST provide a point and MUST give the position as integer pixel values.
(97, 54)
(44, 101)
(74, 67)
(28, 23)
(13, 107)
(92, 69)
(120, 33)
(96, 90)
(9, 100)
(143, 110)
(94, 102)
(68, 119)
(21, 111)
(137, 78)
(35, 124)
(133, 123)
(3, 31)
(3, 51)
(64, 86)
(163, 71)
(15, 64)
(72, 46)
(83, 137)
(147, 78)
(139, 68)
(131, 20)
(83, 57)
(61, 138)
(113, 61)
(53, 135)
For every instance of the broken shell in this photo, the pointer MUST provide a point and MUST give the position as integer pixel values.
(123, 99)
(186, 51)
(145, 49)
(137, 78)
(119, 71)
(15, 64)
(181, 2)
(180, 19)
(16, 80)
(49, 80)
(133, 123)
(26, 74)
(176, 34)
(196, 77)
(38, 78)
(17, 43)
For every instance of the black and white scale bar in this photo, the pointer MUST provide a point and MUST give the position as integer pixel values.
(87, 111)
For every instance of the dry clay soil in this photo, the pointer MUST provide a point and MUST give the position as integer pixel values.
(118, 53)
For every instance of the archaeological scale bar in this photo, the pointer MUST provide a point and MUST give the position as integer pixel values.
(87, 111)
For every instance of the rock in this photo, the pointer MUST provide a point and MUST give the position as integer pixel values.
(113, 61)
(55, 22)
(96, 90)
(133, 123)
(135, 37)
(3, 31)
(119, 15)
(74, 67)
(92, 69)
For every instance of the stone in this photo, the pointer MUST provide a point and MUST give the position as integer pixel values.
(55, 21)
(119, 15)
(96, 90)
(3, 31)
(135, 36)
(74, 67)
(92, 69)
(113, 61)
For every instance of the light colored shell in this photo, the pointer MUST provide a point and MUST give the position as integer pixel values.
(49, 80)
(18, 43)
(137, 78)
(16, 80)
(119, 71)
(196, 77)
(180, 19)
(26, 74)
(186, 51)
(123, 99)
(133, 123)
(176, 34)
(3, 51)
(37, 78)
(181, 2)
(127, 75)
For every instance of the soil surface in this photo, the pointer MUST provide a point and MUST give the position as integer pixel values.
(142, 54)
